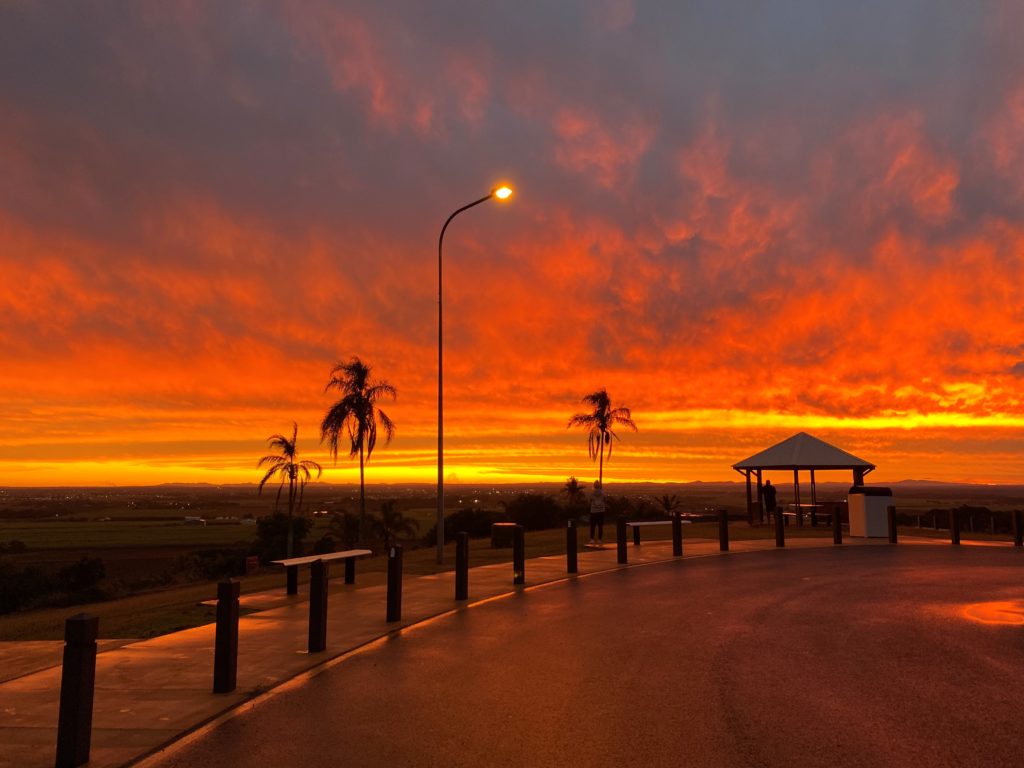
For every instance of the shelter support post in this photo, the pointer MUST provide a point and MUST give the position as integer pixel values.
(796, 498)
(750, 499)
(760, 498)
(814, 502)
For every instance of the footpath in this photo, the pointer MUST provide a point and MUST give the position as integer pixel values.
(151, 692)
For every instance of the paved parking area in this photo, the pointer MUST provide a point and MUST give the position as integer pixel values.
(853, 656)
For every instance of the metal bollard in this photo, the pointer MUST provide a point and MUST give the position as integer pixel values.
(636, 535)
(225, 645)
(954, 528)
(1018, 529)
(317, 606)
(77, 684)
(677, 535)
(291, 575)
(891, 514)
(462, 566)
(837, 526)
(395, 582)
(620, 539)
(350, 570)
(780, 530)
(571, 547)
(518, 555)
(723, 530)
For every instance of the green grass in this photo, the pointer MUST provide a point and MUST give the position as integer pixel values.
(113, 534)
(175, 608)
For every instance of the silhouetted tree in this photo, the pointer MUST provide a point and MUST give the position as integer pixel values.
(599, 423)
(392, 523)
(574, 493)
(286, 465)
(668, 504)
(357, 414)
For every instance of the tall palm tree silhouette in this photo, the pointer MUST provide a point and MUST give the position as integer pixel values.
(599, 423)
(287, 466)
(358, 415)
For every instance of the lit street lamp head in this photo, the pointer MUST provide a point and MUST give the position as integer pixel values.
(502, 192)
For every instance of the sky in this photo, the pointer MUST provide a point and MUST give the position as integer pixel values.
(742, 219)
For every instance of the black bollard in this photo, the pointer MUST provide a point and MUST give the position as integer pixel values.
(636, 535)
(891, 514)
(571, 547)
(77, 683)
(395, 582)
(677, 535)
(837, 525)
(723, 530)
(462, 566)
(350, 570)
(518, 555)
(780, 530)
(317, 606)
(620, 539)
(954, 528)
(1018, 529)
(225, 646)
(291, 576)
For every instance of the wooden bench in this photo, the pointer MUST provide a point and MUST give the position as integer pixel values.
(814, 511)
(291, 565)
(637, 525)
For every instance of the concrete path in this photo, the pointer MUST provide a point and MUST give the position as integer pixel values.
(151, 692)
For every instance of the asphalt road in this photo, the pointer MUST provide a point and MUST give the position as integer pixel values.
(858, 656)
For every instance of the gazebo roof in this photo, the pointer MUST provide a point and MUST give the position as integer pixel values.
(803, 451)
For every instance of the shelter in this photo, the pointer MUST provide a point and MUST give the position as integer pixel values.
(799, 452)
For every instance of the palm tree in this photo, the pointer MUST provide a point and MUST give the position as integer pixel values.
(286, 465)
(393, 523)
(669, 504)
(574, 492)
(598, 424)
(358, 415)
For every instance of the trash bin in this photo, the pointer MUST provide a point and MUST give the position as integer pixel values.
(868, 507)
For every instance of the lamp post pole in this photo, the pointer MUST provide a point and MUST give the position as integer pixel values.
(502, 193)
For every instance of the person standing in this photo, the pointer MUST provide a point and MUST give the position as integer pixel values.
(770, 502)
(596, 514)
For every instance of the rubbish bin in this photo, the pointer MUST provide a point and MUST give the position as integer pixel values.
(869, 510)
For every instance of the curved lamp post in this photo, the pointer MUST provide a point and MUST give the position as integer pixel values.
(501, 193)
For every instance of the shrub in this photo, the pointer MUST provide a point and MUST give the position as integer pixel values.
(22, 587)
(473, 520)
(536, 512)
(272, 536)
(324, 544)
(345, 528)
(209, 564)
(81, 576)
(12, 547)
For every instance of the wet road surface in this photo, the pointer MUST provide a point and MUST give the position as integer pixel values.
(860, 656)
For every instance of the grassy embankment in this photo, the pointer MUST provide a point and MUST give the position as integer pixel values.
(179, 607)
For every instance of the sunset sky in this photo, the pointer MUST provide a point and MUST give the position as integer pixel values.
(743, 219)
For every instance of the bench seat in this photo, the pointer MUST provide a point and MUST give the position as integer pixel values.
(291, 565)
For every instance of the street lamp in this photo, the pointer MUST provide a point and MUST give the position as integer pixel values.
(501, 193)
